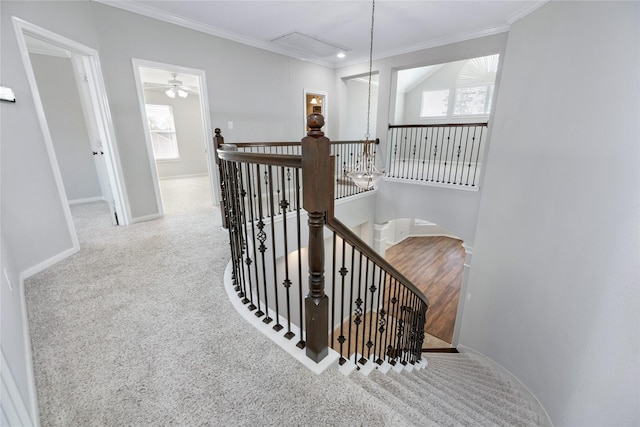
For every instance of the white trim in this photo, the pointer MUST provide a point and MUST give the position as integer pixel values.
(49, 262)
(474, 189)
(325, 109)
(194, 175)
(111, 150)
(145, 218)
(165, 16)
(13, 405)
(529, 8)
(19, 27)
(87, 200)
(277, 337)
(170, 18)
(206, 121)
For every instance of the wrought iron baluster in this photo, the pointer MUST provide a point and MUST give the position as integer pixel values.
(372, 290)
(421, 155)
(453, 145)
(252, 221)
(358, 311)
(287, 282)
(333, 290)
(379, 327)
(300, 344)
(272, 213)
(343, 273)
(262, 237)
(477, 156)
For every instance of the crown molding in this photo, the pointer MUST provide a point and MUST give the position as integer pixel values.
(161, 15)
(525, 11)
(429, 45)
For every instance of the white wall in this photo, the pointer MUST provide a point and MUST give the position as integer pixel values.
(61, 102)
(189, 132)
(555, 278)
(455, 210)
(357, 93)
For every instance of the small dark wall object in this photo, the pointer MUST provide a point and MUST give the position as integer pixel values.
(6, 94)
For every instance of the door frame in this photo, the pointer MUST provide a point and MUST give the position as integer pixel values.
(214, 179)
(325, 109)
(100, 105)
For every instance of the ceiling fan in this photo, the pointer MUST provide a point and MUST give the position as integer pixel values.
(173, 87)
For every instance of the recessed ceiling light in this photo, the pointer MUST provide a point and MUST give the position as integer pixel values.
(341, 55)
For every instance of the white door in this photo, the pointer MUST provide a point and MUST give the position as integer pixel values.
(97, 134)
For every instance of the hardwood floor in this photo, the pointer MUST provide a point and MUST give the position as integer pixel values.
(435, 265)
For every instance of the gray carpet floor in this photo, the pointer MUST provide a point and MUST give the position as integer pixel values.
(137, 330)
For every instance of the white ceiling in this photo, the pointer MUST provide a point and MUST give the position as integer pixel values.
(400, 26)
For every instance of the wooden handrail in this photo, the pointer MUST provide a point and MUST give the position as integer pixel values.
(226, 152)
(351, 238)
(294, 143)
(317, 169)
(442, 125)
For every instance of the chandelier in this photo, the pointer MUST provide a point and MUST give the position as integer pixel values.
(365, 175)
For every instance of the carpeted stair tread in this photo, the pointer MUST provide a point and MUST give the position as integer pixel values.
(427, 393)
(501, 389)
(493, 405)
(425, 399)
(431, 416)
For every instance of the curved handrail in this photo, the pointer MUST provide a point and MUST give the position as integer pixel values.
(350, 237)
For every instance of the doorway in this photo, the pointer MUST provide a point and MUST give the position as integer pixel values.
(174, 107)
(80, 140)
(315, 101)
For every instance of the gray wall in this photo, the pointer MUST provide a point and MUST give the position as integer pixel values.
(554, 281)
(264, 108)
(61, 101)
(187, 116)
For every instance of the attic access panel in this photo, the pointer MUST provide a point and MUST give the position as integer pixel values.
(309, 45)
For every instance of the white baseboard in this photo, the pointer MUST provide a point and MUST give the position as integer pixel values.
(87, 200)
(145, 218)
(195, 175)
(277, 337)
(48, 263)
(12, 404)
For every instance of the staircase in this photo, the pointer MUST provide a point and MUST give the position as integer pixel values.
(454, 389)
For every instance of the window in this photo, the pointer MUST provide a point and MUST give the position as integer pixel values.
(435, 103)
(163, 132)
(473, 100)
(468, 84)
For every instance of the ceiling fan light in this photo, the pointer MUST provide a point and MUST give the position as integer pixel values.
(170, 93)
(182, 93)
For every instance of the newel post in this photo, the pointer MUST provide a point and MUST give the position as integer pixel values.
(316, 188)
(218, 142)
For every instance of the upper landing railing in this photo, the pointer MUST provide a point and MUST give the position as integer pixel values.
(449, 154)
(347, 157)
(354, 301)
